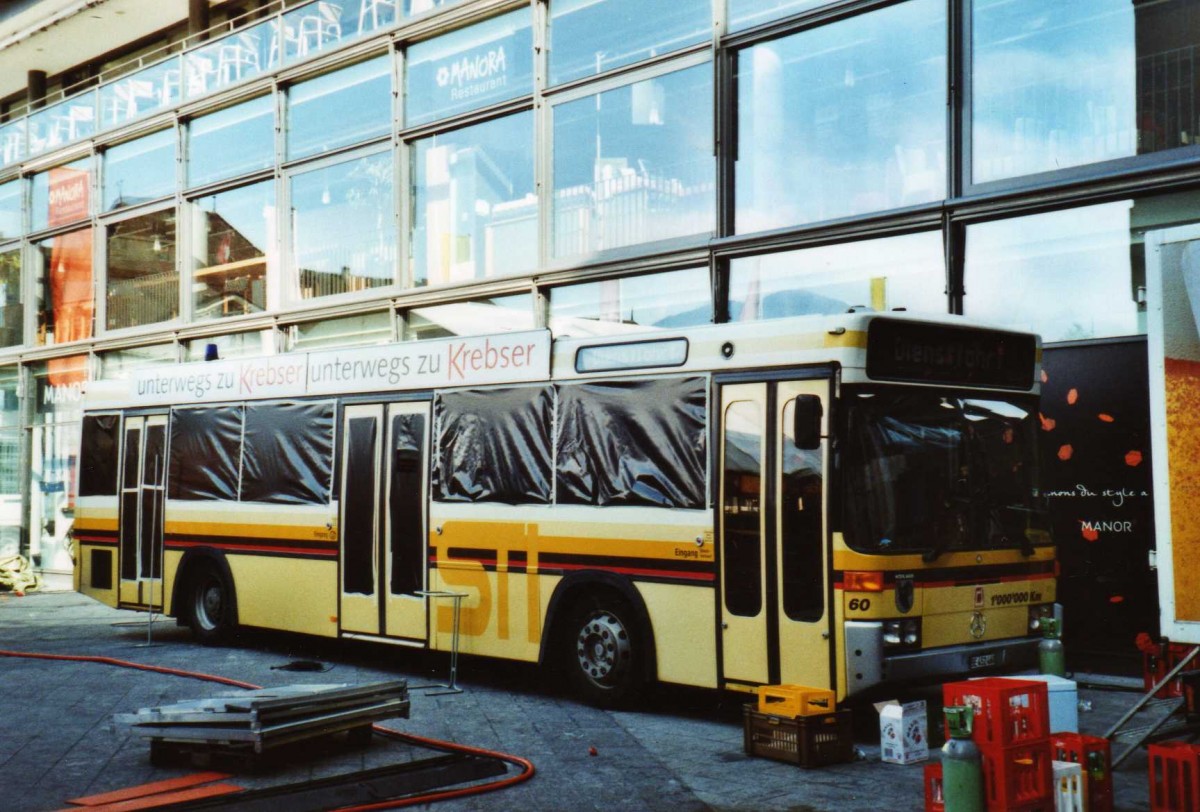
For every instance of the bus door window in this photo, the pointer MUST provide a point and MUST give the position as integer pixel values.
(153, 478)
(129, 502)
(801, 531)
(358, 512)
(742, 509)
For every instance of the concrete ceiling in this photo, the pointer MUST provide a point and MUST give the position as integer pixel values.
(54, 35)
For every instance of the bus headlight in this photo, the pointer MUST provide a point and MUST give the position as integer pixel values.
(906, 633)
(1036, 613)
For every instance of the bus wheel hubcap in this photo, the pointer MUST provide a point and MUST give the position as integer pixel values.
(602, 647)
(210, 603)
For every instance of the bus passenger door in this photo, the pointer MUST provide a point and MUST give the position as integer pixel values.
(774, 592)
(385, 467)
(143, 483)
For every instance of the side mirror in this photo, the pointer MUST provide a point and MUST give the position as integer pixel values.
(806, 426)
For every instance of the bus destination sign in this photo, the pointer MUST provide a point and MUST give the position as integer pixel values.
(947, 354)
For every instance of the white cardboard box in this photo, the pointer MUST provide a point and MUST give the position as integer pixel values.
(903, 732)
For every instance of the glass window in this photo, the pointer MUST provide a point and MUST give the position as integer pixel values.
(634, 164)
(287, 453)
(58, 388)
(233, 251)
(741, 507)
(343, 227)
(142, 283)
(632, 303)
(348, 331)
(1066, 274)
(476, 317)
(469, 68)
(140, 170)
(12, 311)
(139, 94)
(1063, 84)
(62, 123)
(907, 271)
(317, 27)
(64, 288)
(589, 37)
(232, 345)
(13, 464)
(206, 452)
(61, 195)
(231, 142)
(12, 142)
(749, 13)
(119, 364)
(842, 120)
(99, 450)
(474, 205)
(10, 209)
(358, 98)
(229, 60)
(10, 404)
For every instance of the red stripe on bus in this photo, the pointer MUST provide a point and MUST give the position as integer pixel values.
(1003, 579)
(256, 548)
(96, 539)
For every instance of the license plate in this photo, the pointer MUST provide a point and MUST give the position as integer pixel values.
(978, 661)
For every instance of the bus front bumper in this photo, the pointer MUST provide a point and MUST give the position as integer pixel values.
(868, 663)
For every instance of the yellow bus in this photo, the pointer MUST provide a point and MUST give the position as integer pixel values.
(844, 501)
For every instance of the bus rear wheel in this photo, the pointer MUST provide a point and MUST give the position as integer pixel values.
(603, 653)
(210, 606)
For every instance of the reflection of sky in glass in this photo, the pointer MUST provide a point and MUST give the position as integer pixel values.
(589, 37)
(340, 108)
(10, 209)
(247, 210)
(749, 13)
(1065, 274)
(140, 94)
(342, 221)
(139, 170)
(634, 164)
(349, 331)
(845, 119)
(231, 142)
(637, 302)
(62, 123)
(474, 206)
(120, 364)
(1053, 85)
(233, 345)
(469, 68)
(906, 271)
(230, 59)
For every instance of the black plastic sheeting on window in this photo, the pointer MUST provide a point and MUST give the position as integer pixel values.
(493, 445)
(358, 526)
(287, 456)
(206, 444)
(98, 457)
(632, 443)
(405, 501)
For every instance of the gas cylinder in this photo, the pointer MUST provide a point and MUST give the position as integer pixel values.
(962, 767)
(1051, 657)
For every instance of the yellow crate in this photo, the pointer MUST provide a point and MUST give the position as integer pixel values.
(795, 700)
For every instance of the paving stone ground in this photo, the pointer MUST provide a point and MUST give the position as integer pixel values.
(680, 750)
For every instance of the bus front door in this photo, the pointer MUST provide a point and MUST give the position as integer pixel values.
(385, 460)
(143, 478)
(771, 526)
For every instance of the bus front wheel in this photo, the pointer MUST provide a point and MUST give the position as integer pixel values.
(211, 606)
(603, 655)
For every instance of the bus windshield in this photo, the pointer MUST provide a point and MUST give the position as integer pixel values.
(930, 473)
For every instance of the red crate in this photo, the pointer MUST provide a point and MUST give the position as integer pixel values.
(1018, 777)
(1174, 777)
(1157, 664)
(1007, 711)
(934, 801)
(1094, 754)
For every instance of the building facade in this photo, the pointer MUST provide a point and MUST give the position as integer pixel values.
(241, 178)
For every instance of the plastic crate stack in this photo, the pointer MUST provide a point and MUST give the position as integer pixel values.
(1174, 777)
(1158, 661)
(1093, 754)
(799, 725)
(935, 799)
(1012, 732)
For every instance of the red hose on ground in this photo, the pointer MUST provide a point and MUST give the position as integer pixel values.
(527, 768)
